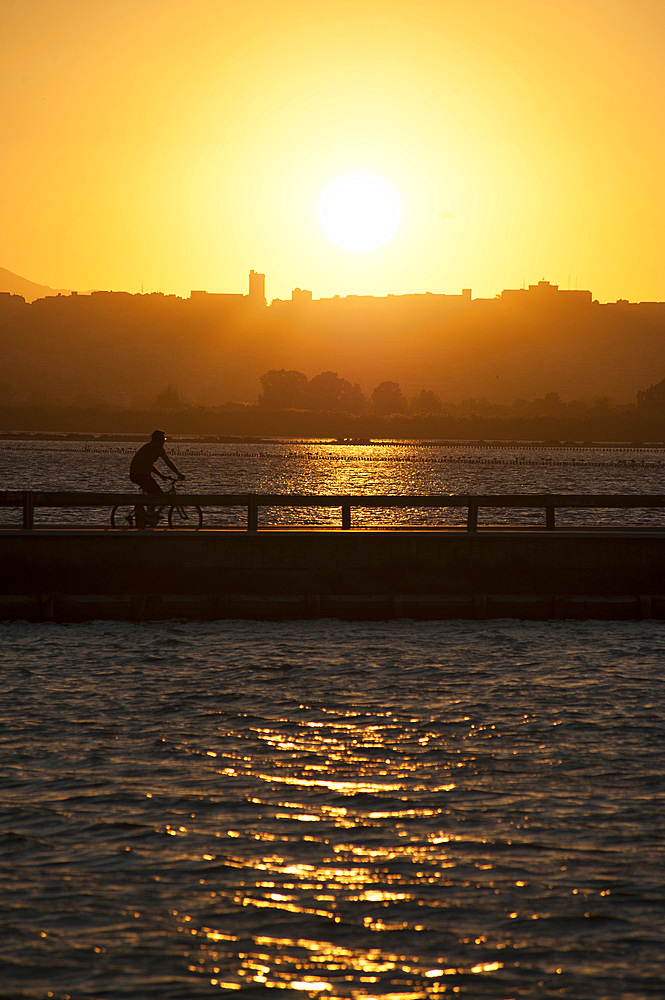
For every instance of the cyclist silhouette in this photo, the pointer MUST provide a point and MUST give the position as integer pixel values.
(142, 470)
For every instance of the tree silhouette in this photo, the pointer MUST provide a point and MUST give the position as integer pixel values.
(387, 398)
(652, 400)
(328, 392)
(426, 402)
(282, 390)
(168, 399)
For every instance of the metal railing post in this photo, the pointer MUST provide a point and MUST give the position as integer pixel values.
(346, 516)
(252, 513)
(28, 510)
(472, 518)
(550, 517)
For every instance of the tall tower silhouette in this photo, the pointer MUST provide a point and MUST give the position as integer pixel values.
(257, 288)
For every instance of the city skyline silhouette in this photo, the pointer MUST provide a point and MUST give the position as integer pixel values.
(124, 349)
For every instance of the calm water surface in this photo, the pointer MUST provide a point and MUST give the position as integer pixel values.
(398, 810)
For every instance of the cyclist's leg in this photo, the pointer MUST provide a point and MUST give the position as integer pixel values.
(147, 515)
(140, 516)
(152, 511)
(155, 510)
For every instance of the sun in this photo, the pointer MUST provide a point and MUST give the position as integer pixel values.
(360, 212)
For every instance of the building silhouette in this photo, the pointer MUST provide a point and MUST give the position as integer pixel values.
(257, 288)
(214, 347)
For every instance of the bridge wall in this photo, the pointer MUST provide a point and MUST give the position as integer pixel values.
(70, 574)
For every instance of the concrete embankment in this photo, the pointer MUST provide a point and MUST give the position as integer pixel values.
(68, 575)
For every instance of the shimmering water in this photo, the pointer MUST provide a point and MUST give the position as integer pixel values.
(344, 810)
(403, 468)
(336, 809)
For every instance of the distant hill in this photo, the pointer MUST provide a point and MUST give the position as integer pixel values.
(30, 290)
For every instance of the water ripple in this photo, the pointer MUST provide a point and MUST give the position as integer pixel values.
(345, 810)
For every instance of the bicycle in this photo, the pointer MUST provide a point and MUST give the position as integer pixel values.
(178, 515)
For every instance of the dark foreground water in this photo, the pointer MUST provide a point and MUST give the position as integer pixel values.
(338, 810)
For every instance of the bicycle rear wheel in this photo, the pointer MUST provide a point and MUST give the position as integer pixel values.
(122, 516)
(189, 517)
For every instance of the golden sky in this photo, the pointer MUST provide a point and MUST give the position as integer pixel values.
(175, 144)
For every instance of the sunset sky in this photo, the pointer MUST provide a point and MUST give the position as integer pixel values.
(174, 145)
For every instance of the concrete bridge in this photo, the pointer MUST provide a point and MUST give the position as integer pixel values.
(74, 572)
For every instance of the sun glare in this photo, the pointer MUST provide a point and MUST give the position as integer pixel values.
(360, 212)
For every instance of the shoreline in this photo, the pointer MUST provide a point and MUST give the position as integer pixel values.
(103, 438)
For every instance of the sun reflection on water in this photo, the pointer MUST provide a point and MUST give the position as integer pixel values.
(363, 845)
(413, 823)
(319, 965)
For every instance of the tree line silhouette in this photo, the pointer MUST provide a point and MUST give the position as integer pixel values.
(327, 392)
(327, 405)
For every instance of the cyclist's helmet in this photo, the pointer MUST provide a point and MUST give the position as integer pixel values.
(159, 436)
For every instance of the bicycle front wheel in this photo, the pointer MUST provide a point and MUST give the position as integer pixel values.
(188, 517)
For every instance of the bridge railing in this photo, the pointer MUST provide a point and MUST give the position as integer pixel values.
(28, 501)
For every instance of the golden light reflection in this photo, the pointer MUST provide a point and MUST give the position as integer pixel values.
(272, 904)
(299, 963)
(294, 855)
(299, 817)
(338, 744)
(308, 984)
(324, 808)
(377, 924)
(345, 787)
(380, 896)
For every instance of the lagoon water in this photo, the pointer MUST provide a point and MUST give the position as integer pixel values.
(303, 467)
(344, 810)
